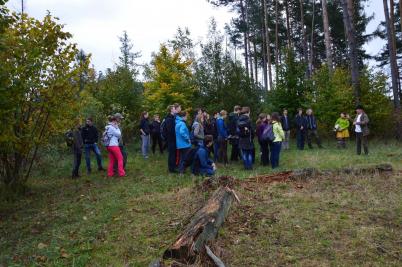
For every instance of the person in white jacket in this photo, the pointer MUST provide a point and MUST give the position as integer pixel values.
(113, 133)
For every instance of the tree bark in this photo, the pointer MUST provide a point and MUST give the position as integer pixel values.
(250, 57)
(276, 36)
(204, 227)
(264, 57)
(268, 47)
(288, 29)
(255, 63)
(243, 15)
(347, 8)
(304, 39)
(311, 62)
(394, 71)
(327, 34)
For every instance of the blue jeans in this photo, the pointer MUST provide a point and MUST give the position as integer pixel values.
(216, 150)
(275, 151)
(183, 154)
(95, 149)
(247, 155)
(145, 145)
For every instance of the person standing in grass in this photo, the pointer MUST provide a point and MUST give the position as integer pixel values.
(277, 143)
(183, 142)
(262, 124)
(90, 136)
(156, 134)
(77, 145)
(286, 128)
(113, 134)
(122, 146)
(312, 129)
(198, 129)
(342, 130)
(233, 134)
(301, 126)
(145, 130)
(168, 131)
(222, 137)
(362, 130)
(246, 137)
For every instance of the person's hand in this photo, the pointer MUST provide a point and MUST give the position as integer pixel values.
(301, 128)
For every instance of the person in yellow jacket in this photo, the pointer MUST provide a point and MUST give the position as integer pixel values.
(342, 129)
(279, 137)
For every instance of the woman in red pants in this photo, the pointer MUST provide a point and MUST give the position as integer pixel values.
(113, 134)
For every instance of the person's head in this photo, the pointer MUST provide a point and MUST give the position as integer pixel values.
(359, 109)
(206, 116)
(309, 111)
(237, 109)
(182, 115)
(216, 114)
(156, 117)
(343, 115)
(89, 121)
(268, 118)
(208, 140)
(113, 119)
(223, 114)
(144, 115)
(275, 117)
(262, 118)
(300, 111)
(118, 117)
(177, 108)
(199, 118)
(245, 111)
(285, 112)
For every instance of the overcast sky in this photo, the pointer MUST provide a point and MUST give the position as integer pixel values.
(96, 24)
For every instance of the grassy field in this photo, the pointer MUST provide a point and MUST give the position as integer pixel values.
(94, 221)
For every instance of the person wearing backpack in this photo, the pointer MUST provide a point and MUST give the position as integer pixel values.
(277, 142)
(168, 133)
(183, 142)
(111, 141)
(156, 134)
(263, 126)
(90, 136)
(233, 133)
(145, 131)
(197, 130)
(202, 164)
(222, 138)
(246, 137)
(76, 145)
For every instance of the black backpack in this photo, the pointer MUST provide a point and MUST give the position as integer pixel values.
(163, 130)
(69, 137)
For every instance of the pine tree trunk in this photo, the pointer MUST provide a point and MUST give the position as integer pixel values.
(250, 57)
(255, 63)
(288, 29)
(312, 41)
(243, 15)
(347, 8)
(304, 39)
(264, 57)
(327, 34)
(268, 47)
(392, 24)
(277, 36)
(394, 72)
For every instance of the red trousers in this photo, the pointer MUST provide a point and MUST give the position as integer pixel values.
(115, 155)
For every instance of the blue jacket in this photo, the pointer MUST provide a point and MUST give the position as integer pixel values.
(182, 134)
(222, 130)
(311, 122)
(203, 164)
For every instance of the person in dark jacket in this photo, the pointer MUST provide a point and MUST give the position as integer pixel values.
(170, 125)
(212, 129)
(77, 146)
(203, 165)
(362, 130)
(145, 130)
(233, 134)
(301, 127)
(156, 134)
(262, 124)
(311, 122)
(285, 122)
(222, 137)
(246, 137)
(90, 136)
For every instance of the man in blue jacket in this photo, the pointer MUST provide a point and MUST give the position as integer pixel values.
(222, 137)
(311, 122)
(203, 165)
(183, 142)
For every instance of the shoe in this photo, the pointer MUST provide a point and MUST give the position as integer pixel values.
(101, 169)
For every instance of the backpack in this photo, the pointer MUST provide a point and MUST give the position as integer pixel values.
(189, 157)
(268, 133)
(163, 130)
(106, 137)
(244, 128)
(69, 137)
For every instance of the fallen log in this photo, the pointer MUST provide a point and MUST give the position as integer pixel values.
(203, 228)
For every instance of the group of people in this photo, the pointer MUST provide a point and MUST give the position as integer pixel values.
(86, 138)
(190, 145)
